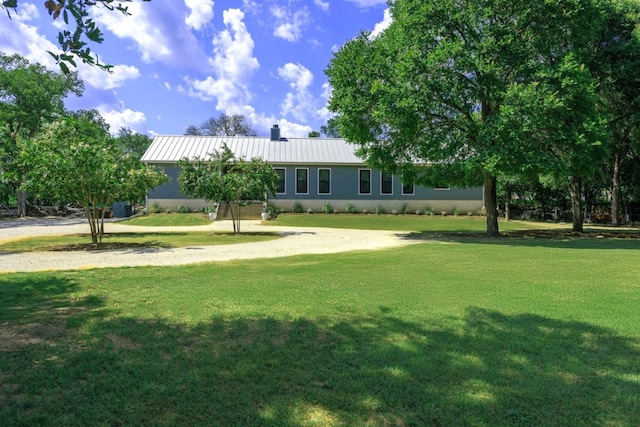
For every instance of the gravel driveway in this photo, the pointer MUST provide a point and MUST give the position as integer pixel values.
(295, 241)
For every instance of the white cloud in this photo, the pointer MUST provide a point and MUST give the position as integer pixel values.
(324, 112)
(19, 36)
(288, 25)
(201, 13)
(121, 117)
(233, 64)
(103, 80)
(368, 3)
(157, 30)
(324, 5)
(299, 102)
(382, 25)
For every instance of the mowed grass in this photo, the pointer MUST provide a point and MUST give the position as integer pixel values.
(169, 219)
(470, 331)
(131, 240)
(409, 222)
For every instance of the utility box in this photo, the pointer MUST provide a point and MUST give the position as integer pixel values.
(121, 210)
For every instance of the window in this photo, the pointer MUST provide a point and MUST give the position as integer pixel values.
(408, 189)
(386, 183)
(302, 181)
(324, 181)
(365, 181)
(442, 187)
(281, 180)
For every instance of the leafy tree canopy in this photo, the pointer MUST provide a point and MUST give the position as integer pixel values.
(224, 178)
(132, 142)
(73, 39)
(75, 159)
(223, 125)
(442, 84)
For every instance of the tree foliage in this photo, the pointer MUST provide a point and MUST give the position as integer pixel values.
(73, 38)
(30, 95)
(132, 142)
(447, 85)
(223, 125)
(224, 178)
(75, 159)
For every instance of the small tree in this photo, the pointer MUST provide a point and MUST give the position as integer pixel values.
(76, 160)
(222, 178)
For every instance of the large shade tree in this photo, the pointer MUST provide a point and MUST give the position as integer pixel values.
(30, 95)
(438, 87)
(75, 159)
(223, 125)
(224, 178)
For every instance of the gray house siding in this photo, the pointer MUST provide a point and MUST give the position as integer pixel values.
(310, 155)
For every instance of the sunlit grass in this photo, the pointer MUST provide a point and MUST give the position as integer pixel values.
(128, 240)
(169, 219)
(456, 331)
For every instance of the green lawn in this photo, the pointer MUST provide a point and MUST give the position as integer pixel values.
(131, 240)
(168, 219)
(469, 331)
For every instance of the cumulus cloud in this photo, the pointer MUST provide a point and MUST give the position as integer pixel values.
(102, 80)
(298, 103)
(233, 64)
(201, 13)
(289, 25)
(382, 25)
(123, 117)
(157, 30)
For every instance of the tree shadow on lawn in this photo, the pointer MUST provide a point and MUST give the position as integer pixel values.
(482, 368)
(552, 238)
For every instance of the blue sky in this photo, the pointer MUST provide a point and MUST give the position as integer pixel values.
(179, 62)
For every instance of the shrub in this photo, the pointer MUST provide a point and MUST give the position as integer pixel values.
(309, 211)
(272, 211)
(351, 208)
(469, 213)
(183, 209)
(297, 208)
(404, 209)
(327, 208)
(428, 211)
(456, 212)
(380, 210)
(154, 208)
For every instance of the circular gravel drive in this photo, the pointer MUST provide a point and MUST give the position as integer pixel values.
(295, 241)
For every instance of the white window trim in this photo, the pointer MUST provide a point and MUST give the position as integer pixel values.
(285, 179)
(413, 190)
(447, 188)
(296, 184)
(330, 179)
(370, 175)
(392, 182)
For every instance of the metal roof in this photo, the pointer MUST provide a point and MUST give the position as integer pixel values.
(170, 149)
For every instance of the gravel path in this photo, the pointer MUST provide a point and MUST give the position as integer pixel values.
(295, 241)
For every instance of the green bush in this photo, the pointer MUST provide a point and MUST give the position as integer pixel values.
(327, 208)
(297, 208)
(154, 208)
(183, 209)
(351, 208)
(380, 210)
(404, 209)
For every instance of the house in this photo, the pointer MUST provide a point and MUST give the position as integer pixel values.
(313, 172)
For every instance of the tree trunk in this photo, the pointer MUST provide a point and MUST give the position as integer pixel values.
(576, 203)
(22, 204)
(615, 191)
(507, 205)
(491, 205)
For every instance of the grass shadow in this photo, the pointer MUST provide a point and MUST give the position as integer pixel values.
(552, 238)
(482, 368)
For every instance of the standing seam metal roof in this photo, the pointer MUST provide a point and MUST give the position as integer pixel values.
(170, 149)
